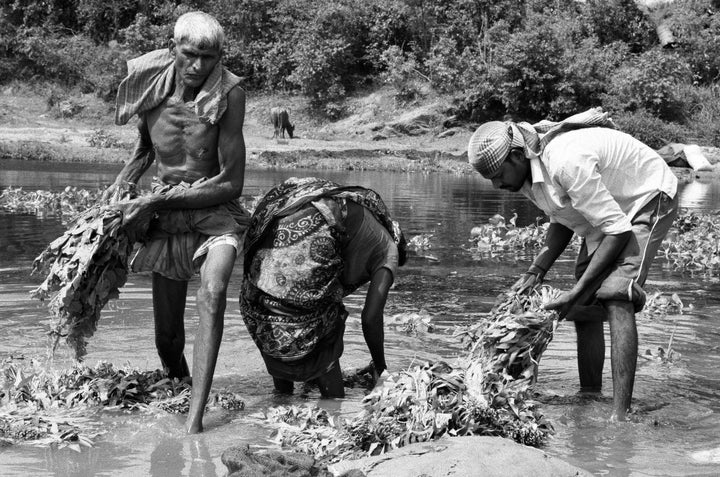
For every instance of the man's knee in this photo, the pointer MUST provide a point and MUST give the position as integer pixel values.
(213, 293)
(622, 289)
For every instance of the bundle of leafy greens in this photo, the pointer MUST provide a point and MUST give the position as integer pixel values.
(85, 266)
(487, 393)
(88, 264)
(505, 350)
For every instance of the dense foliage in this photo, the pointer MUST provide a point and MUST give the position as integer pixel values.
(531, 59)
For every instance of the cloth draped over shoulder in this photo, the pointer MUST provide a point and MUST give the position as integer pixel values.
(491, 143)
(151, 79)
(177, 239)
(291, 299)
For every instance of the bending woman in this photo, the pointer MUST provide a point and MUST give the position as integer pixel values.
(311, 243)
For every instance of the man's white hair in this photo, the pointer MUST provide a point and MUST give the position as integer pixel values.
(199, 29)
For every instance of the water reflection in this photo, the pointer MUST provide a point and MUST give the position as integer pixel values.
(167, 458)
(678, 404)
(699, 195)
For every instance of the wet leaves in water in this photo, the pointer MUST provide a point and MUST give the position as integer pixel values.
(54, 408)
(692, 245)
(488, 392)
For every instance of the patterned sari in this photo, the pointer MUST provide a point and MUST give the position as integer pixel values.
(291, 298)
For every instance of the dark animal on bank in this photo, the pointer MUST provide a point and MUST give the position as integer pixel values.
(281, 122)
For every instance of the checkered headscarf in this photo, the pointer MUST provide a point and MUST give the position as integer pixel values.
(491, 143)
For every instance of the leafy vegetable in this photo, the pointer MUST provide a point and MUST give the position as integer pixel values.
(694, 244)
(86, 267)
(66, 204)
(487, 393)
(56, 407)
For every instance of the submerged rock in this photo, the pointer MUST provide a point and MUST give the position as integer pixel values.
(242, 462)
(472, 456)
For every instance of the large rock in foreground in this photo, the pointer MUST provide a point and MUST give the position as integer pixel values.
(467, 456)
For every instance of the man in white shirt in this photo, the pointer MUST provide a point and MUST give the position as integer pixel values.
(618, 195)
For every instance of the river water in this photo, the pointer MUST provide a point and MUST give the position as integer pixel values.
(677, 405)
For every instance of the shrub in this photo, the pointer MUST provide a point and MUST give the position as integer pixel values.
(620, 21)
(703, 104)
(650, 129)
(587, 70)
(532, 64)
(334, 110)
(400, 71)
(325, 44)
(276, 64)
(101, 139)
(73, 60)
(388, 25)
(318, 68)
(142, 35)
(443, 65)
(48, 13)
(102, 20)
(252, 33)
(649, 82)
(697, 31)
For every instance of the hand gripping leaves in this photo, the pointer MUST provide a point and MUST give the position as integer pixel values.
(505, 351)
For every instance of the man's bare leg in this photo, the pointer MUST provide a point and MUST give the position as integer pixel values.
(211, 302)
(590, 354)
(169, 311)
(623, 355)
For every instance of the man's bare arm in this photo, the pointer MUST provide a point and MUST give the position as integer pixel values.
(143, 156)
(556, 241)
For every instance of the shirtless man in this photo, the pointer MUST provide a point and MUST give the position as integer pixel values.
(191, 112)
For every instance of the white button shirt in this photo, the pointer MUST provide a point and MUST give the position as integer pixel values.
(595, 180)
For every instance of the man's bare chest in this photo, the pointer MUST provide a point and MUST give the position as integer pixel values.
(176, 132)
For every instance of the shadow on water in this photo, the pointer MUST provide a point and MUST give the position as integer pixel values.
(677, 403)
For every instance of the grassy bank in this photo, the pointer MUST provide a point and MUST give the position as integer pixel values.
(378, 133)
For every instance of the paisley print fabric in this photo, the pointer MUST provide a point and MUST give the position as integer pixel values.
(291, 299)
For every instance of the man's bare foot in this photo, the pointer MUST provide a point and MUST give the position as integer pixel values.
(193, 427)
(618, 416)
